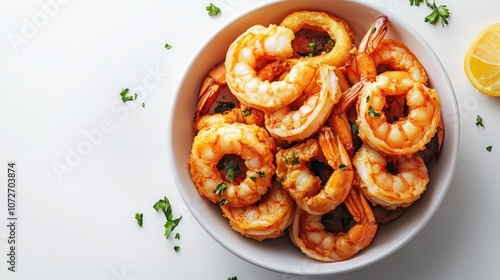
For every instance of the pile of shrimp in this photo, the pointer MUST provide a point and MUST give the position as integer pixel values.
(326, 139)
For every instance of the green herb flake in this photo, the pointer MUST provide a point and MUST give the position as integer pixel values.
(253, 178)
(489, 148)
(261, 174)
(166, 208)
(177, 236)
(247, 112)
(342, 167)
(232, 169)
(372, 112)
(126, 97)
(223, 107)
(232, 278)
(167, 46)
(354, 127)
(138, 217)
(223, 202)
(219, 190)
(439, 13)
(368, 99)
(292, 159)
(312, 48)
(177, 248)
(213, 10)
(479, 121)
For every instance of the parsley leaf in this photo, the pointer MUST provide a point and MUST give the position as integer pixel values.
(291, 158)
(354, 127)
(312, 48)
(342, 166)
(223, 202)
(177, 236)
(479, 121)
(372, 112)
(166, 208)
(213, 10)
(167, 46)
(232, 278)
(177, 248)
(220, 188)
(438, 12)
(231, 168)
(126, 97)
(138, 217)
(489, 148)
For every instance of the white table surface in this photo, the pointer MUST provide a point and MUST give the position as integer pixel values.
(63, 64)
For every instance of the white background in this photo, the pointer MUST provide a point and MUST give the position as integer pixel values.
(63, 64)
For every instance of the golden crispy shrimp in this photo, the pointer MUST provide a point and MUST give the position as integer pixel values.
(405, 135)
(336, 28)
(395, 55)
(292, 169)
(308, 232)
(306, 116)
(242, 114)
(362, 65)
(252, 144)
(267, 218)
(243, 56)
(385, 188)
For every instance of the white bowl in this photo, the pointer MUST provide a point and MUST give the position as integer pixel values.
(280, 255)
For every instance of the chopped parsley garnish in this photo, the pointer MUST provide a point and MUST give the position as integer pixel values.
(292, 159)
(438, 12)
(138, 217)
(177, 236)
(479, 121)
(489, 148)
(253, 178)
(312, 48)
(223, 202)
(219, 190)
(231, 168)
(167, 46)
(354, 127)
(342, 166)
(224, 106)
(126, 97)
(247, 112)
(177, 248)
(372, 112)
(261, 174)
(143, 105)
(367, 99)
(166, 208)
(213, 10)
(232, 278)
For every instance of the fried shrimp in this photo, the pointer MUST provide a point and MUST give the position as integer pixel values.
(250, 143)
(213, 84)
(308, 232)
(396, 56)
(362, 65)
(407, 134)
(293, 169)
(305, 116)
(385, 188)
(268, 218)
(336, 28)
(265, 43)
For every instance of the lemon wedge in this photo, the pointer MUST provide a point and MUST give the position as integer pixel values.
(482, 61)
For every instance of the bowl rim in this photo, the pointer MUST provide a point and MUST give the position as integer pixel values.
(454, 142)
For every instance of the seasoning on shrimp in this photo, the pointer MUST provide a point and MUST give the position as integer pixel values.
(293, 166)
(399, 188)
(406, 135)
(266, 219)
(250, 143)
(309, 234)
(265, 43)
(307, 115)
